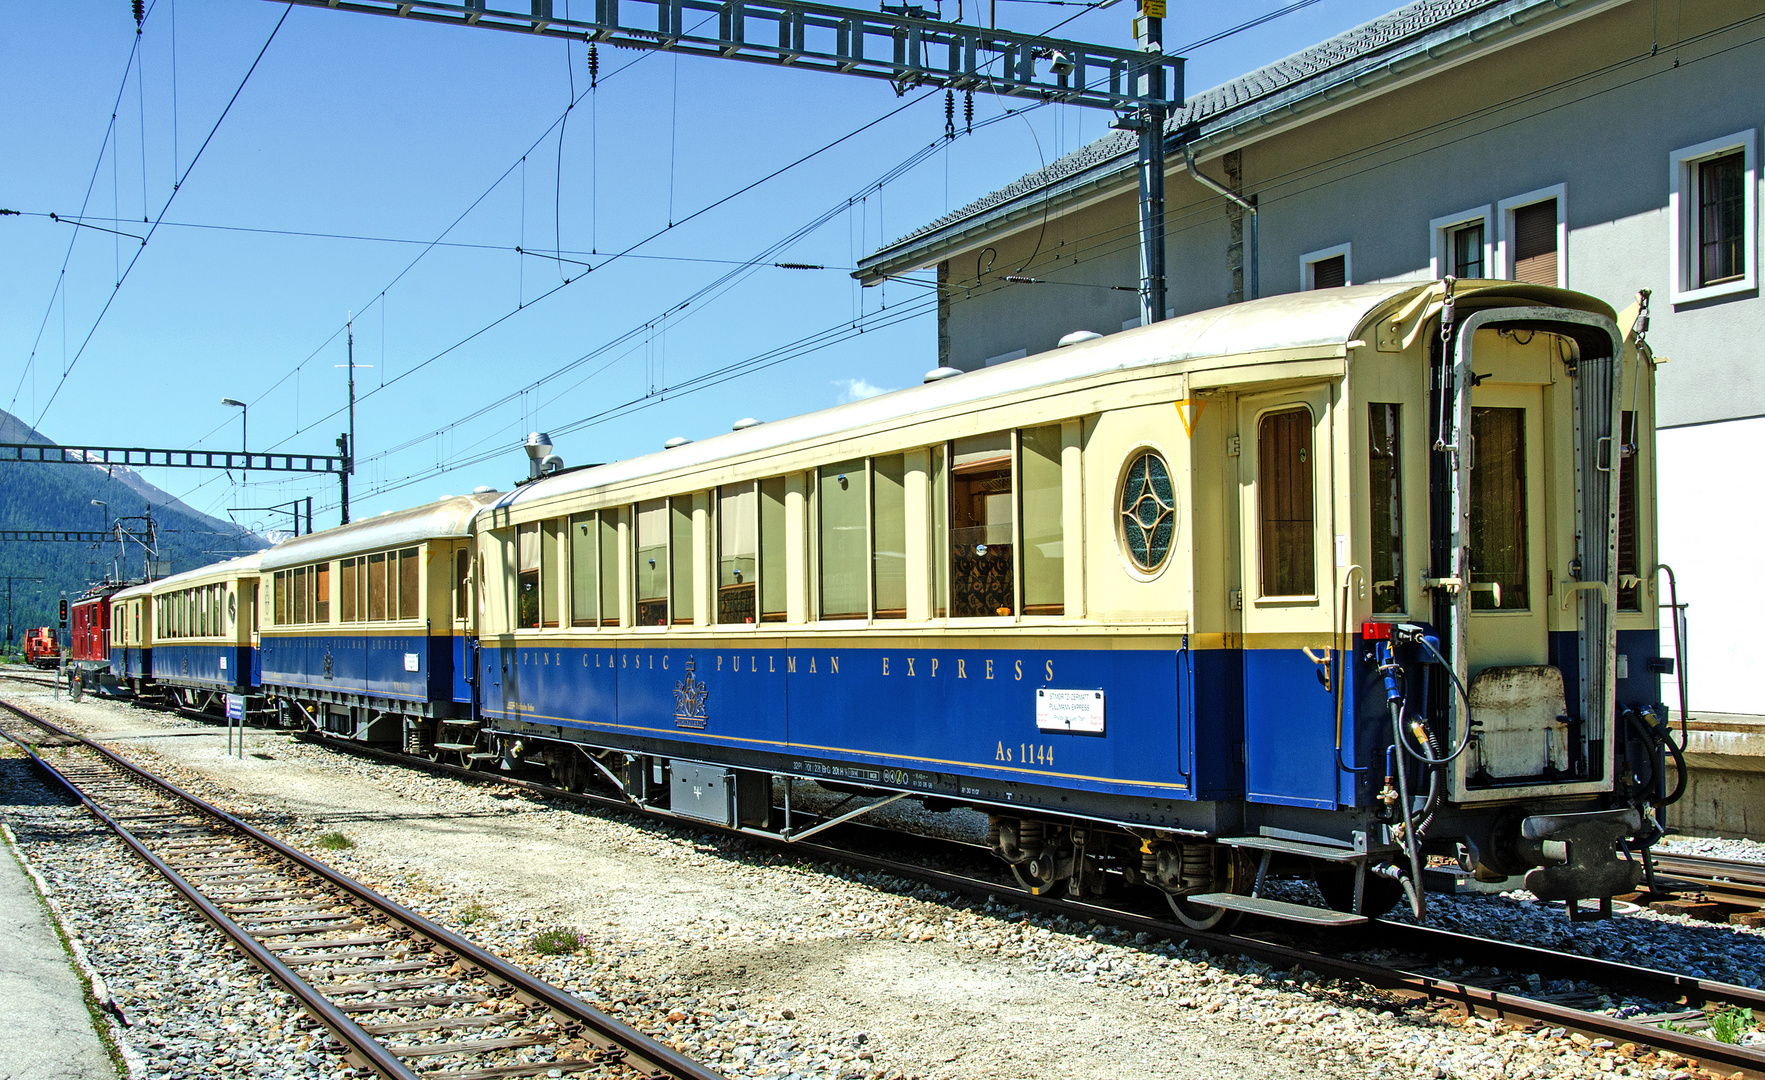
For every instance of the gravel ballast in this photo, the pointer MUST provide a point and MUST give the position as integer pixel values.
(763, 966)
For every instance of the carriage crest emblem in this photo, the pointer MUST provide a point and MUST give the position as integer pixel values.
(690, 695)
(327, 661)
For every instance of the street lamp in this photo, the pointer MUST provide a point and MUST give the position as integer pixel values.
(244, 413)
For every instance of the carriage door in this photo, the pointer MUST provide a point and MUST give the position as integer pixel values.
(1285, 485)
(1516, 695)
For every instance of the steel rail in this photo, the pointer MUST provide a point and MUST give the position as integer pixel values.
(1402, 936)
(641, 1052)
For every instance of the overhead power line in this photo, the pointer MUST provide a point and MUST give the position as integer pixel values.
(111, 299)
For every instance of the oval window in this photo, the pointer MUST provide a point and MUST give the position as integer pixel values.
(1148, 507)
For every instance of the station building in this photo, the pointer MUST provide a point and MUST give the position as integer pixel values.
(1607, 146)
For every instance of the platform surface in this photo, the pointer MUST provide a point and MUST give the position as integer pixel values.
(45, 1031)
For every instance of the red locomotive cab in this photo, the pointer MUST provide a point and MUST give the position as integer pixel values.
(89, 639)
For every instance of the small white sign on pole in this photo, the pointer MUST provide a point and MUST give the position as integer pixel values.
(1070, 710)
(236, 706)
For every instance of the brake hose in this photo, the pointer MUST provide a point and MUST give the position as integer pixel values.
(1424, 756)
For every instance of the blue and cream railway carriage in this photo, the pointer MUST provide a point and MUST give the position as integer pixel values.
(192, 637)
(366, 634)
(1295, 585)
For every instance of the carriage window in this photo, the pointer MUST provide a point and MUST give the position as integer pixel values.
(680, 557)
(609, 526)
(738, 542)
(346, 574)
(1044, 559)
(462, 570)
(889, 537)
(772, 547)
(548, 573)
(527, 582)
(981, 564)
(1498, 509)
(1284, 502)
(300, 598)
(410, 591)
(322, 593)
(377, 587)
(1385, 496)
(584, 532)
(652, 563)
(1629, 596)
(839, 495)
(939, 539)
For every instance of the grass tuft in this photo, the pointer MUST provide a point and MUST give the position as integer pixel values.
(558, 941)
(472, 913)
(1730, 1024)
(335, 841)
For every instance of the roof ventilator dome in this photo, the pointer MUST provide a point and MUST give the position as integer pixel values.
(678, 440)
(1078, 337)
(939, 374)
(745, 423)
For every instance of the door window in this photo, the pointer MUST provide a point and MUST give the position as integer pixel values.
(1284, 502)
(1498, 510)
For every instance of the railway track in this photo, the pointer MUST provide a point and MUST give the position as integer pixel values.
(1716, 889)
(399, 994)
(1416, 962)
(1407, 961)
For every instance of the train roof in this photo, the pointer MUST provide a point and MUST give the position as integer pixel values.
(451, 517)
(1274, 326)
(246, 564)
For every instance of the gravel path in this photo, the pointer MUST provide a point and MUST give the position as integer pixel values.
(766, 967)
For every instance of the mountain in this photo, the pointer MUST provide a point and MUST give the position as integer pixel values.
(55, 496)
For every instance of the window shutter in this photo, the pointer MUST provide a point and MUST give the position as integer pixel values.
(1331, 273)
(1535, 243)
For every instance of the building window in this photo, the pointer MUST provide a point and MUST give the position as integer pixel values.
(1385, 498)
(1284, 501)
(1712, 207)
(1330, 268)
(1534, 229)
(1462, 245)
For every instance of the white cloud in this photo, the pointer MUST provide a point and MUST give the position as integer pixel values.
(859, 389)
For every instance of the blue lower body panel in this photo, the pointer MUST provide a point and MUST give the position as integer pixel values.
(206, 667)
(964, 712)
(416, 667)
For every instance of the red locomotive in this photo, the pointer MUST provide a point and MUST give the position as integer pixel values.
(40, 647)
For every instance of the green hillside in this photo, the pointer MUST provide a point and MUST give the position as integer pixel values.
(42, 496)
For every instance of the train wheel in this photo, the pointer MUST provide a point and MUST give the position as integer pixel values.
(1039, 876)
(1378, 896)
(1232, 874)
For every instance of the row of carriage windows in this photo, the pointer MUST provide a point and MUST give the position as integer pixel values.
(380, 587)
(195, 612)
(991, 506)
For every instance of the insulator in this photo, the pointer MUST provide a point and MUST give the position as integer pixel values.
(594, 64)
(140, 9)
(968, 111)
(950, 114)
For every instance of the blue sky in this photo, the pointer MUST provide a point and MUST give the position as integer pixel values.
(388, 132)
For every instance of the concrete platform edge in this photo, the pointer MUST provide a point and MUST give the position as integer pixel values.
(91, 982)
